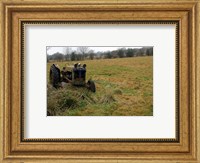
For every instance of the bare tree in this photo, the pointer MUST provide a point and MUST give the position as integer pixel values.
(67, 52)
(83, 50)
(91, 54)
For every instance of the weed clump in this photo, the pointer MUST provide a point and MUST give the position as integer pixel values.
(107, 98)
(60, 100)
(66, 99)
(117, 91)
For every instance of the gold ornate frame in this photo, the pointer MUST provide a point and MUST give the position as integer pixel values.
(49, 23)
(15, 148)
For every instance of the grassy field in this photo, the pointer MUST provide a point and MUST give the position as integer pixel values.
(124, 87)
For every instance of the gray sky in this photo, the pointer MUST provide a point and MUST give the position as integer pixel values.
(55, 49)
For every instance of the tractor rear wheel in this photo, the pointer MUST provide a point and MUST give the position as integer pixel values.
(54, 76)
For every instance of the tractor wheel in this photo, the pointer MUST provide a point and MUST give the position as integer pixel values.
(91, 86)
(54, 76)
(51, 77)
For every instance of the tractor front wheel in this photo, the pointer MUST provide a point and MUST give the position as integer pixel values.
(91, 86)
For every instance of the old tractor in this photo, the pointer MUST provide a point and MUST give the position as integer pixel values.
(76, 75)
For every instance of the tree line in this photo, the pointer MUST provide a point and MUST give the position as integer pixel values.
(83, 53)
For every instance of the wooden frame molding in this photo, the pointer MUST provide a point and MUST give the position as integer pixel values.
(14, 148)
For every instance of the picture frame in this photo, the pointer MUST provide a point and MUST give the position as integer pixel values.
(14, 148)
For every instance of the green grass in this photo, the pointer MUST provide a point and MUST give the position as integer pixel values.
(124, 87)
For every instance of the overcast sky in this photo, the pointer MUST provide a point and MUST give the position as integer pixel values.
(55, 49)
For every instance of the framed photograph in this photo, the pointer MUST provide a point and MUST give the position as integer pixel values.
(98, 87)
(100, 81)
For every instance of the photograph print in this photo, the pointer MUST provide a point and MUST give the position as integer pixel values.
(99, 81)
